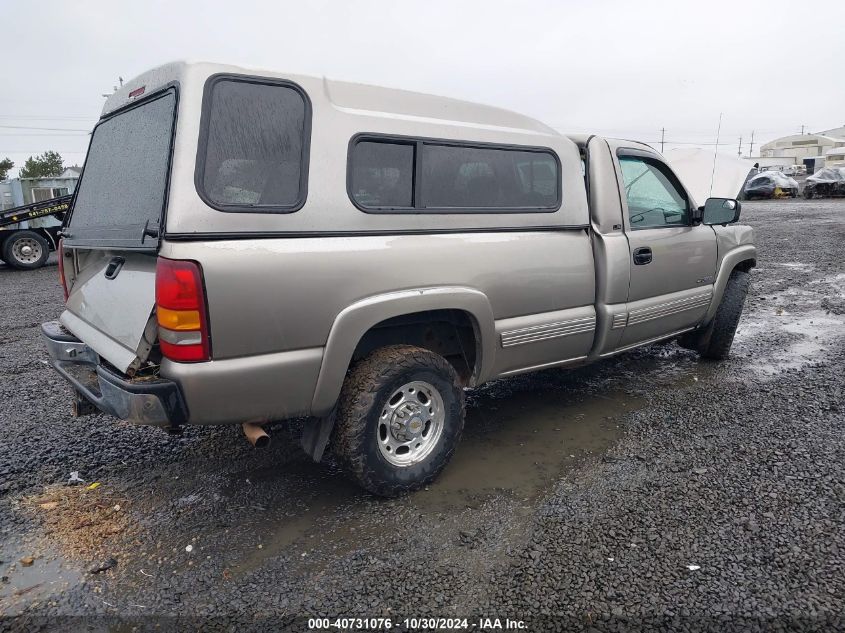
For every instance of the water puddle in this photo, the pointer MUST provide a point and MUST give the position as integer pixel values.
(520, 444)
(31, 573)
(803, 339)
(794, 265)
(514, 447)
(521, 436)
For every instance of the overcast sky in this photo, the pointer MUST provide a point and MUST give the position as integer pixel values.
(617, 68)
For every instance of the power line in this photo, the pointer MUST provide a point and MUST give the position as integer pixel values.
(52, 129)
(21, 134)
(670, 142)
(41, 149)
(56, 117)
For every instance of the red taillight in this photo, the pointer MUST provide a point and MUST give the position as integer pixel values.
(180, 311)
(62, 279)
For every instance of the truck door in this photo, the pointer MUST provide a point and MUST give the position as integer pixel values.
(672, 260)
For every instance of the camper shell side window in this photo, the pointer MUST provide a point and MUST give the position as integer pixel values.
(254, 143)
(393, 174)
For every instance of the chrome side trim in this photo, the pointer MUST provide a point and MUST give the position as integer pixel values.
(548, 331)
(667, 309)
(619, 321)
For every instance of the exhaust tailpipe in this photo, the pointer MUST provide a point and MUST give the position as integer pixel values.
(256, 435)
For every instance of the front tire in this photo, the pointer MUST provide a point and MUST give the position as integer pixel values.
(26, 250)
(400, 417)
(714, 342)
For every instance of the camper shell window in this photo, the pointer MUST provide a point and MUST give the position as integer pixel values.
(254, 141)
(122, 193)
(409, 175)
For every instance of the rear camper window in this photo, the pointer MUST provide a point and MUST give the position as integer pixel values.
(124, 183)
(426, 176)
(253, 153)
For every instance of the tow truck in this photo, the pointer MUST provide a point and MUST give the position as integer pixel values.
(28, 233)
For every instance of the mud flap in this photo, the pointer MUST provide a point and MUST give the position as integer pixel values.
(315, 435)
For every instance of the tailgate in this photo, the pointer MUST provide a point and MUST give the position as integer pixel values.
(113, 231)
(110, 306)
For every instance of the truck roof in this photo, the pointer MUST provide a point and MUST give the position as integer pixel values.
(351, 98)
(581, 141)
(341, 111)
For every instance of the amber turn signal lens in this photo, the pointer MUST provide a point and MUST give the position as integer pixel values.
(178, 319)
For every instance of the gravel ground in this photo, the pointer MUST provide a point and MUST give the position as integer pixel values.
(651, 491)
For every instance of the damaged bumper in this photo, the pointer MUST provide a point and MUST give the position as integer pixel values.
(157, 401)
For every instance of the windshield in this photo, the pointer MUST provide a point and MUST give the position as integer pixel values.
(124, 182)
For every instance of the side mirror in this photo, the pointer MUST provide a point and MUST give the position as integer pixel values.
(720, 211)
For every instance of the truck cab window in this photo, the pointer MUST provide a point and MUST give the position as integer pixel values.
(654, 200)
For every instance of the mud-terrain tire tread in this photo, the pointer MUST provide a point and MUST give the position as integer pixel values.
(359, 398)
(717, 340)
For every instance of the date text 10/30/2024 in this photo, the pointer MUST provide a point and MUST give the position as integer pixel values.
(415, 624)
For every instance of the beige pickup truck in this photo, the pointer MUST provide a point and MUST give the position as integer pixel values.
(247, 247)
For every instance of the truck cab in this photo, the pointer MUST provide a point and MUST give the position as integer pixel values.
(656, 262)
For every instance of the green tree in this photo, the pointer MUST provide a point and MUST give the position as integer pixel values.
(5, 166)
(48, 165)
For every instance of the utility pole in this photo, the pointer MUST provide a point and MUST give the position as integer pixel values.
(739, 153)
(751, 150)
(662, 137)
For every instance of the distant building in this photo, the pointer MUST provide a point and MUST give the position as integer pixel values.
(780, 162)
(19, 191)
(838, 132)
(835, 157)
(801, 146)
(71, 172)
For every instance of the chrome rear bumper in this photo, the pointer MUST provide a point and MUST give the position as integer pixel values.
(157, 401)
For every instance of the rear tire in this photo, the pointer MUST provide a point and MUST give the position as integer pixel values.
(26, 250)
(400, 417)
(714, 342)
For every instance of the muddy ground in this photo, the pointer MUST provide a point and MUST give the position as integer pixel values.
(649, 490)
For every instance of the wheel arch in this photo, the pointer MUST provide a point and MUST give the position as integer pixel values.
(353, 324)
(50, 236)
(741, 258)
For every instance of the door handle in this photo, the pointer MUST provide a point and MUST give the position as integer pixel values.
(114, 267)
(642, 256)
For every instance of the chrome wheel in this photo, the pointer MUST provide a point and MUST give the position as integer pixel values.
(26, 250)
(411, 423)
